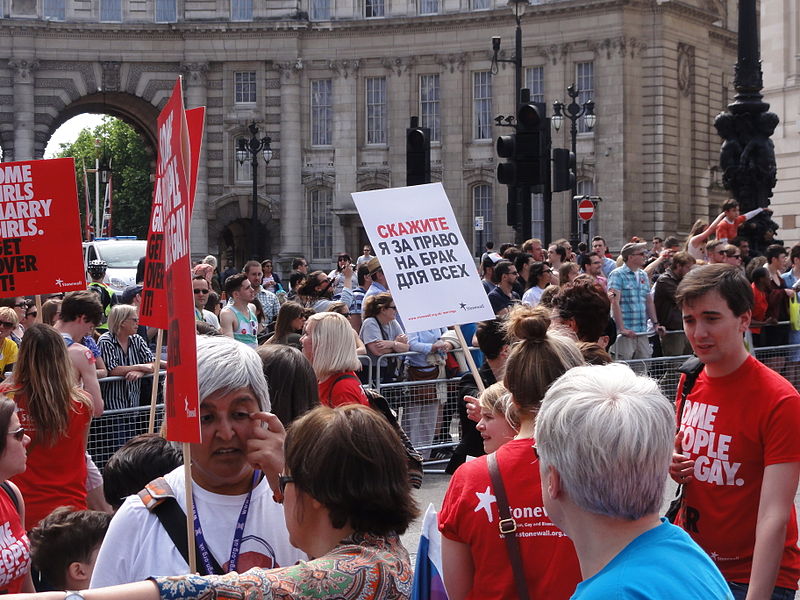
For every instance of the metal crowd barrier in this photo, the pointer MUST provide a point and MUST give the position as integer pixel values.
(427, 410)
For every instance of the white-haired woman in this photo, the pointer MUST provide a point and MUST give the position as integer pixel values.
(232, 500)
(329, 345)
(604, 439)
(126, 354)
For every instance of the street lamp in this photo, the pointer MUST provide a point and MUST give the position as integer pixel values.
(573, 111)
(520, 193)
(252, 148)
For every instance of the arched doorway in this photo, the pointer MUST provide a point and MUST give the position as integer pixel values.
(230, 229)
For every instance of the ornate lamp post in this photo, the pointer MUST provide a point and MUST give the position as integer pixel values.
(747, 156)
(252, 148)
(573, 111)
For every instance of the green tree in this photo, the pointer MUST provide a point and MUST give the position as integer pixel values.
(130, 163)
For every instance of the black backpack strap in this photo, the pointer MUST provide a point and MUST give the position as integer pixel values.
(337, 380)
(10, 491)
(160, 500)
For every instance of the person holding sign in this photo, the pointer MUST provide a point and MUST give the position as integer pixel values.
(238, 319)
(232, 499)
(347, 498)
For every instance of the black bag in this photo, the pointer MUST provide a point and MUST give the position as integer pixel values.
(691, 368)
(378, 402)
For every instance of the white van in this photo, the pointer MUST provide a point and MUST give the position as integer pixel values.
(122, 253)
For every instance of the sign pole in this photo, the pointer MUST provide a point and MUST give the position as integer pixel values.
(470, 360)
(151, 427)
(187, 475)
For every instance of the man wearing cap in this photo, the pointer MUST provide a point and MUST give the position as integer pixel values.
(487, 264)
(632, 304)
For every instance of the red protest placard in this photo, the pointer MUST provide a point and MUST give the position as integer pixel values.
(181, 397)
(195, 120)
(153, 309)
(40, 228)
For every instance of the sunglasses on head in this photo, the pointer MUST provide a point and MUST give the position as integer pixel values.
(18, 434)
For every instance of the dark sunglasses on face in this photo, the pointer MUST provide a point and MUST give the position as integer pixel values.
(199, 291)
(21, 304)
(32, 313)
(6, 324)
(18, 434)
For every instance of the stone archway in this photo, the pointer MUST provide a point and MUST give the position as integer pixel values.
(229, 228)
(138, 113)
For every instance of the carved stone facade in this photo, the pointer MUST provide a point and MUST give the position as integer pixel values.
(780, 56)
(657, 72)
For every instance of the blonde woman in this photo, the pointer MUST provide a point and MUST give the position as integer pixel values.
(499, 421)
(329, 345)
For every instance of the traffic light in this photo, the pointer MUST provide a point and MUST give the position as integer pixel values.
(529, 151)
(507, 171)
(418, 154)
(563, 169)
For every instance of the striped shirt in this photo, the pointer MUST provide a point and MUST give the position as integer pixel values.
(122, 394)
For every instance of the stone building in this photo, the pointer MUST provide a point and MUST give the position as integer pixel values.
(780, 49)
(334, 82)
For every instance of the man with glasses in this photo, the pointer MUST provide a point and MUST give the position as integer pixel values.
(632, 304)
(715, 252)
(365, 257)
(503, 296)
(200, 288)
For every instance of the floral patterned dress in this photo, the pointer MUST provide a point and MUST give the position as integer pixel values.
(360, 567)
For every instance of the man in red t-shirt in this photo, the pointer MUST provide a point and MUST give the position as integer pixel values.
(737, 451)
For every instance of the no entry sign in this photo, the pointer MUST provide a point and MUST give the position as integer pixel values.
(586, 209)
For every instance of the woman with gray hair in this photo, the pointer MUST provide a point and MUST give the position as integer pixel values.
(604, 440)
(232, 499)
(126, 354)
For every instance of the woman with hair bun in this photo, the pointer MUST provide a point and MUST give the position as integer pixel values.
(475, 557)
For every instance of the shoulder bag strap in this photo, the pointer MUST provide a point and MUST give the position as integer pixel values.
(337, 380)
(7, 489)
(173, 520)
(508, 527)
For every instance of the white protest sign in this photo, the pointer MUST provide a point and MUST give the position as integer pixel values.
(429, 269)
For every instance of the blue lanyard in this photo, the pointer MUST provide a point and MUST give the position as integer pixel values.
(205, 553)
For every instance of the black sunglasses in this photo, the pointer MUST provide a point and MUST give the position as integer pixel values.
(200, 291)
(18, 433)
(282, 481)
(21, 304)
(7, 324)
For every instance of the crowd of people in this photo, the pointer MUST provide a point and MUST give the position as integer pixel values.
(301, 486)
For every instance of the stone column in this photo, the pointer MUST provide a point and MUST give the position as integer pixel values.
(196, 95)
(292, 196)
(24, 113)
(345, 74)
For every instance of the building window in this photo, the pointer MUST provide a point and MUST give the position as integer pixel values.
(321, 215)
(584, 79)
(374, 8)
(481, 4)
(241, 10)
(482, 105)
(537, 216)
(166, 11)
(429, 7)
(321, 112)
(111, 11)
(245, 87)
(54, 9)
(534, 81)
(242, 173)
(320, 10)
(376, 110)
(482, 216)
(429, 104)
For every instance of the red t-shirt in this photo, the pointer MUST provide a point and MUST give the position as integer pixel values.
(469, 515)
(728, 231)
(759, 307)
(15, 549)
(735, 426)
(347, 390)
(55, 475)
